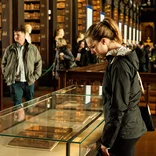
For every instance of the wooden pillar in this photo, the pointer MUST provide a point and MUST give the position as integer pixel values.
(108, 11)
(52, 29)
(64, 15)
(44, 31)
(138, 24)
(134, 25)
(96, 10)
(108, 8)
(121, 17)
(115, 11)
(130, 26)
(126, 23)
(1, 86)
(74, 25)
(18, 15)
(7, 19)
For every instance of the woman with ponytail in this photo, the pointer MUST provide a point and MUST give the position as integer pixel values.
(121, 90)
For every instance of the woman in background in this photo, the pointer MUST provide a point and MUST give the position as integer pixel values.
(59, 34)
(121, 90)
(82, 58)
(64, 58)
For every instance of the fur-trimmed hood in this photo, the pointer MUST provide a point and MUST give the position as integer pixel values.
(125, 52)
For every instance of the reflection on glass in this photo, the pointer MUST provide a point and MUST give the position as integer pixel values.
(88, 92)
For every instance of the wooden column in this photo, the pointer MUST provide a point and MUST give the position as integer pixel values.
(1, 86)
(68, 20)
(96, 10)
(126, 23)
(44, 31)
(7, 35)
(134, 25)
(64, 18)
(115, 11)
(121, 17)
(108, 8)
(130, 26)
(75, 24)
(52, 29)
(18, 16)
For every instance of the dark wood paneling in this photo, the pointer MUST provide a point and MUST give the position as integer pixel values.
(6, 24)
(44, 32)
(1, 86)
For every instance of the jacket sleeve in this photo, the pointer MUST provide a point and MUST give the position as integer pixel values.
(120, 89)
(68, 55)
(38, 65)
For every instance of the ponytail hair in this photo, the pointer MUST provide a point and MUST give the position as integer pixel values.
(107, 28)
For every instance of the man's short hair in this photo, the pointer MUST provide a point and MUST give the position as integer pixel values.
(21, 29)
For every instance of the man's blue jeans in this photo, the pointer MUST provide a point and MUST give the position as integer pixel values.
(18, 90)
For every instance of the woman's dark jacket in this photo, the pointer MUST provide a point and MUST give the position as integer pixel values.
(63, 64)
(84, 59)
(121, 96)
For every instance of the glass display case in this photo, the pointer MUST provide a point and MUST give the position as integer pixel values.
(64, 123)
(90, 97)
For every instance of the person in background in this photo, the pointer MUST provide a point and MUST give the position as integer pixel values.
(82, 58)
(21, 67)
(28, 30)
(121, 90)
(59, 34)
(142, 57)
(93, 59)
(80, 37)
(153, 59)
(64, 59)
(147, 50)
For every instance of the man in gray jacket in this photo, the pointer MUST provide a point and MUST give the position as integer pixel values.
(21, 67)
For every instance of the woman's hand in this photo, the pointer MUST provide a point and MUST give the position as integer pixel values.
(61, 56)
(104, 151)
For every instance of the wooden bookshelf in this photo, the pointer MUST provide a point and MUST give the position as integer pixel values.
(81, 7)
(36, 14)
(96, 10)
(32, 17)
(64, 19)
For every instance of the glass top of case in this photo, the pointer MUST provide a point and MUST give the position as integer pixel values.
(54, 117)
(94, 90)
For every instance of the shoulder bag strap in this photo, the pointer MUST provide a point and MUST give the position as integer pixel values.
(142, 87)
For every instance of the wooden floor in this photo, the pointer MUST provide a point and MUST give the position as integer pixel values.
(146, 146)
